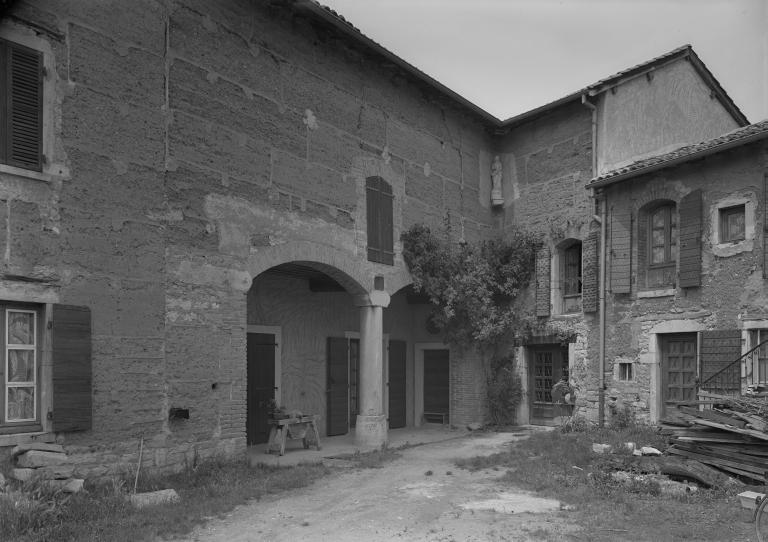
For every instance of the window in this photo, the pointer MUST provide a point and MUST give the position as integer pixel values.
(733, 224)
(380, 224)
(571, 279)
(625, 371)
(21, 106)
(21, 359)
(662, 246)
(760, 356)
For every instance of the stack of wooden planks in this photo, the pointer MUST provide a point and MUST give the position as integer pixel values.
(722, 435)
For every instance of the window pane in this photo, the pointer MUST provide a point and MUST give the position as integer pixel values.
(21, 365)
(658, 219)
(21, 404)
(21, 327)
(658, 255)
(736, 225)
(658, 237)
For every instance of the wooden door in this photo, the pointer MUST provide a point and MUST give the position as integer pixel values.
(436, 383)
(354, 381)
(338, 386)
(397, 393)
(549, 365)
(679, 369)
(260, 385)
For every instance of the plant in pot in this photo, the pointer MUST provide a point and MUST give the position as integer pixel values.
(275, 411)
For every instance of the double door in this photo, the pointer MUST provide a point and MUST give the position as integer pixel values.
(549, 365)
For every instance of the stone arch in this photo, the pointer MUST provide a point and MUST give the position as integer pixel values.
(333, 262)
(398, 281)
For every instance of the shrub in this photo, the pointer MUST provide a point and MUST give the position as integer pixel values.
(503, 391)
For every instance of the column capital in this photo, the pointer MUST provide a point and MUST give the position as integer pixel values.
(373, 299)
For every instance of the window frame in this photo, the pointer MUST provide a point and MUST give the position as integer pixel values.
(725, 213)
(27, 425)
(380, 227)
(671, 234)
(626, 372)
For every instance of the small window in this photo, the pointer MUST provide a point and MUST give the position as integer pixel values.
(625, 371)
(662, 246)
(571, 279)
(380, 223)
(21, 106)
(21, 390)
(760, 356)
(733, 224)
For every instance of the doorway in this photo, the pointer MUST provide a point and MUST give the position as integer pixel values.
(549, 365)
(678, 364)
(432, 383)
(263, 379)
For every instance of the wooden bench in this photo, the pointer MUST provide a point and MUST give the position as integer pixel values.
(292, 428)
(443, 415)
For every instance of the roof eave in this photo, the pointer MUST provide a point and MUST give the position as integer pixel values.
(675, 161)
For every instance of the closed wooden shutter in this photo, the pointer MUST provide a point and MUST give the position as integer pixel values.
(21, 101)
(621, 252)
(719, 349)
(765, 225)
(338, 387)
(71, 360)
(543, 278)
(397, 374)
(380, 221)
(589, 273)
(690, 240)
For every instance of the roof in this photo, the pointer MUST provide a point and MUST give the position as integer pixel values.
(736, 138)
(329, 23)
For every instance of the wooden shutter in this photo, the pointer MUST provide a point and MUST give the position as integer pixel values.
(621, 252)
(338, 387)
(22, 104)
(380, 221)
(72, 401)
(718, 350)
(690, 240)
(397, 374)
(589, 273)
(765, 225)
(543, 278)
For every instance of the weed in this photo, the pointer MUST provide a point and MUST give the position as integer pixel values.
(449, 473)
(428, 473)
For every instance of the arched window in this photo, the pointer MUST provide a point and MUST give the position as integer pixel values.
(662, 246)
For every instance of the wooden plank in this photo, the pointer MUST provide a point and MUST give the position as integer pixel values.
(716, 461)
(713, 415)
(750, 432)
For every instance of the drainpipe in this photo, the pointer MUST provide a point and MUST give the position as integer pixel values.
(602, 221)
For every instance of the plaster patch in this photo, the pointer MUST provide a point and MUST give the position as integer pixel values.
(310, 120)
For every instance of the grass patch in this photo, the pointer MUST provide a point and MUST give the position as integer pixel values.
(562, 466)
(376, 459)
(35, 513)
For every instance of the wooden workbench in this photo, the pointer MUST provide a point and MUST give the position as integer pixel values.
(292, 428)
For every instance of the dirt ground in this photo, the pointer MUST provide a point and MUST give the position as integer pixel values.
(401, 502)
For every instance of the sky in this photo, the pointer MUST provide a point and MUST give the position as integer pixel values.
(511, 56)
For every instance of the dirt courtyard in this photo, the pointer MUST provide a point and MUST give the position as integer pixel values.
(401, 502)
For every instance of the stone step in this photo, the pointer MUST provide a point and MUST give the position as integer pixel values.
(36, 458)
(40, 446)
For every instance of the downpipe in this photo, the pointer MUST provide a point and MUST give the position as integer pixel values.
(602, 220)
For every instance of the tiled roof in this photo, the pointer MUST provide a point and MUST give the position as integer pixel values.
(740, 136)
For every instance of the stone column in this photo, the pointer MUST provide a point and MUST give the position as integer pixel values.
(371, 428)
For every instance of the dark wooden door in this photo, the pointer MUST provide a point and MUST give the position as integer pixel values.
(338, 386)
(354, 381)
(260, 357)
(679, 369)
(549, 365)
(396, 384)
(437, 382)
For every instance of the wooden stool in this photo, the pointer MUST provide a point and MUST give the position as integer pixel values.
(443, 415)
(292, 428)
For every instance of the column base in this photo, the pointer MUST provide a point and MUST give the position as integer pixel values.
(371, 431)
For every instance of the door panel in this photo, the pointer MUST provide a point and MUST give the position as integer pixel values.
(338, 386)
(437, 381)
(354, 381)
(260, 358)
(548, 366)
(397, 373)
(679, 366)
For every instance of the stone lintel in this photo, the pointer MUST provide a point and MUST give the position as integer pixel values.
(674, 316)
(376, 298)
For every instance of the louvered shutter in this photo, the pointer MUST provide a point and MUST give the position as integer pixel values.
(71, 367)
(380, 221)
(543, 277)
(22, 101)
(337, 415)
(690, 240)
(621, 252)
(719, 349)
(589, 273)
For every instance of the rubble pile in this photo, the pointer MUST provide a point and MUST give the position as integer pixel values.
(729, 434)
(46, 462)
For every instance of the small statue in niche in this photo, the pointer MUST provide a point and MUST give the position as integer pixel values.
(496, 196)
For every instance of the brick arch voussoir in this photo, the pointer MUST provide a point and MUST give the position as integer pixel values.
(333, 262)
(396, 283)
(655, 196)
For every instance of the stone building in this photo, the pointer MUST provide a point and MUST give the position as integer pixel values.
(203, 203)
